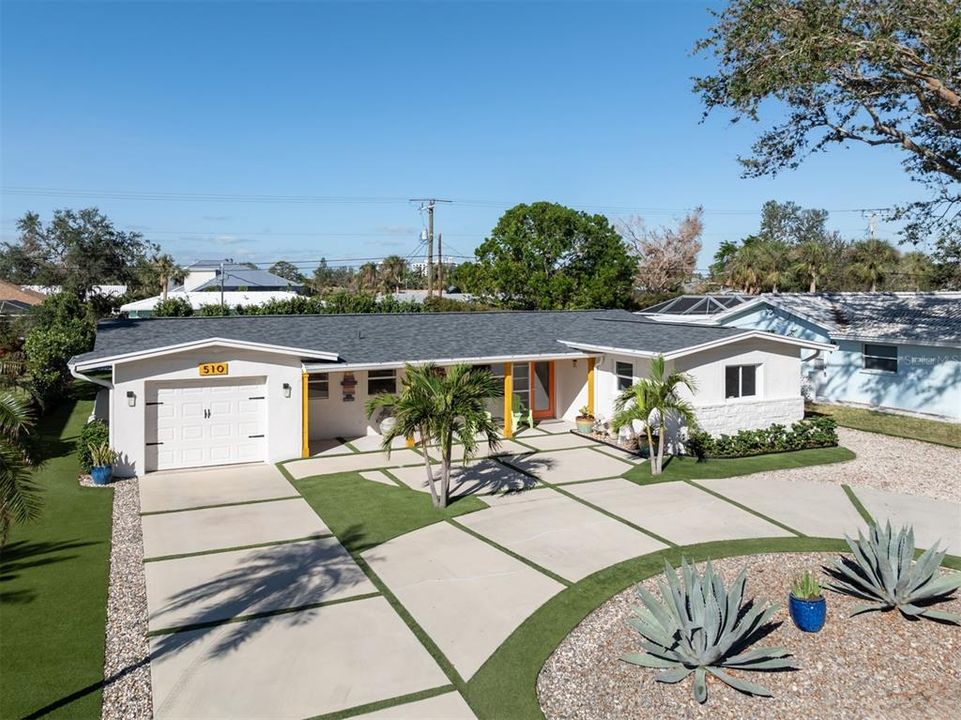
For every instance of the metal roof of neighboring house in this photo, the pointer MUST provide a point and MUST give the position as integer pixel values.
(236, 275)
(924, 318)
(412, 337)
(11, 292)
(696, 305)
(199, 299)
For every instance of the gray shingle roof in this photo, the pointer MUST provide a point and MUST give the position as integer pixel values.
(907, 317)
(378, 338)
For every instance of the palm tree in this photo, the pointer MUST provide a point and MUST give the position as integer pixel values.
(775, 256)
(812, 260)
(393, 269)
(438, 407)
(367, 277)
(872, 260)
(165, 271)
(653, 400)
(19, 498)
(747, 268)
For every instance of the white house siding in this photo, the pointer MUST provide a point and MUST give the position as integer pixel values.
(570, 388)
(335, 417)
(283, 421)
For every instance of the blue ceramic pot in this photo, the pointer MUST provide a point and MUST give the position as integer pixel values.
(101, 474)
(808, 615)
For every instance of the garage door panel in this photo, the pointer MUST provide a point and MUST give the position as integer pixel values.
(205, 423)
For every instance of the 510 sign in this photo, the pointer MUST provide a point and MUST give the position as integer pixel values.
(210, 369)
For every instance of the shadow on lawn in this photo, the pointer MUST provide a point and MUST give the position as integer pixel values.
(296, 575)
(23, 555)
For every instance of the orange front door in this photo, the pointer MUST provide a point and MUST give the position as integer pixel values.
(542, 389)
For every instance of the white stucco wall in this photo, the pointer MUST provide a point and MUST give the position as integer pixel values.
(570, 388)
(335, 417)
(283, 421)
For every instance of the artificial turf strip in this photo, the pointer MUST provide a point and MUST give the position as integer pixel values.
(364, 514)
(383, 704)
(506, 685)
(858, 505)
(220, 505)
(687, 468)
(215, 551)
(745, 508)
(902, 426)
(53, 583)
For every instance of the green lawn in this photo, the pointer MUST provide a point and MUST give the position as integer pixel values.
(363, 513)
(53, 585)
(943, 433)
(685, 468)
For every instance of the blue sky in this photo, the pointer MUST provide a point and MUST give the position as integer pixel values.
(317, 120)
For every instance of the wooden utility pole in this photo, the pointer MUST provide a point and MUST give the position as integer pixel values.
(428, 205)
(440, 264)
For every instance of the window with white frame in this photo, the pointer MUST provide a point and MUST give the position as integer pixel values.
(318, 387)
(381, 381)
(624, 371)
(740, 381)
(880, 357)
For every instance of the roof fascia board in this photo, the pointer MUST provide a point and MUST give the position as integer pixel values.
(886, 340)
(607, 349)
(480, 360)
(749, 335)
(200, 345)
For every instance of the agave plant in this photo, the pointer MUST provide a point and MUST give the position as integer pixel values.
(701, 627)
(882, 570)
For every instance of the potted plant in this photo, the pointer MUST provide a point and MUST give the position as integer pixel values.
(585, 420)
(807, 605)
(102, 458)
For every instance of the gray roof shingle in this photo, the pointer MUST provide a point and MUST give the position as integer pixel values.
(379, 338)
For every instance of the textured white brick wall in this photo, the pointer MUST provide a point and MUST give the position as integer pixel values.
(737, 415)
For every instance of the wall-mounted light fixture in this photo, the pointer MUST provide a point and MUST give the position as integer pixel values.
(287, 390)
(131, 398)
(575, 362)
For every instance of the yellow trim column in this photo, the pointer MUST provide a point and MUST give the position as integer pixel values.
(305, 416)
(590, 385)
(508, 400)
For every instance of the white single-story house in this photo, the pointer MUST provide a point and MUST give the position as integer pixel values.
(893, 350)
(229, 298)
(199, 391)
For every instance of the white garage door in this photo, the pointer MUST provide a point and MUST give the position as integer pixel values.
(205, 422)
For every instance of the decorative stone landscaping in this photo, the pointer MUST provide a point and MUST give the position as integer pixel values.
(873, 665)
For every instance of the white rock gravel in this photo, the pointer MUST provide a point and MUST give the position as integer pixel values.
(126, 693)
(888, 463)
(874, 666)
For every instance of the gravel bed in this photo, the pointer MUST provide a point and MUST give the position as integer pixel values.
(126, 692)
(871, 666)
(87, 481)
(888, 463)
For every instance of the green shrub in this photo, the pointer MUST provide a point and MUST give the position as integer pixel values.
(94, 434)
(173, 307)
(814, 432)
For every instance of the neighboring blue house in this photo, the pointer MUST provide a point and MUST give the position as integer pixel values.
(899, 351)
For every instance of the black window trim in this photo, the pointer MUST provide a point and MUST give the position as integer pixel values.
(629, 379)
(879, 360)
(382, 375)
(740, 381)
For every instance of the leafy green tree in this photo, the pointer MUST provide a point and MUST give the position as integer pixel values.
(916, 271)
(723, 257)
(654, 401)
(872, 261)
(947, 264)
(885, 73)
(549, 257)
(77, 250)
(173, 307)
(19, 494)
(441, 406)
(288, 271)
(61, 327)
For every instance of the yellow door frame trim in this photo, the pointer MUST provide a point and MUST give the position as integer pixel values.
(305, 415)
(508, 400)
(590, 385)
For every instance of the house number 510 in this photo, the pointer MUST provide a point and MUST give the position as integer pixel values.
(207, 369)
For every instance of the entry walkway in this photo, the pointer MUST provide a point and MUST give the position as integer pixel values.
(389, 633)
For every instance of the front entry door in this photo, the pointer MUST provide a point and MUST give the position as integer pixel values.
(542, 389)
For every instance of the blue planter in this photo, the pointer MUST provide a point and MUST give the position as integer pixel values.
(101, 475)
(808, 615)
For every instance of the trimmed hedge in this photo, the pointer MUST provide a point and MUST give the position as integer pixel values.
(814, 432)
(94, 433)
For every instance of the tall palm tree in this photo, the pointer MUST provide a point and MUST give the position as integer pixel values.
(440, 407)
(367, 277)
(747, 269)
(653, 400)
(812, 260)
(165, 271)
(393, 269)
(19, 494)
(872, 260)
(775, 257)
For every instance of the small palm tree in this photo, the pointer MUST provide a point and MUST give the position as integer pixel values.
(166, 271)
(19, 495)
(812, 260)
(393, 269)
(653, 400)
(440, 407)
(367, 277)
(872, 260)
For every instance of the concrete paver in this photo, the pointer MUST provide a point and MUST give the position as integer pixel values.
(293, 665)
(619, 454)
(555, 426)
(467, 595)
(813, 508)
(228, 527)
(563, 466)
(558, 441)
(378, 476)
(357, 461)
(932, 520)
(367, 443)
(329, 447)
(181, 489)
(676, 511)
(478, 477)
(506, 447)
(449, 706)
(219, 586)
(560, 534)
